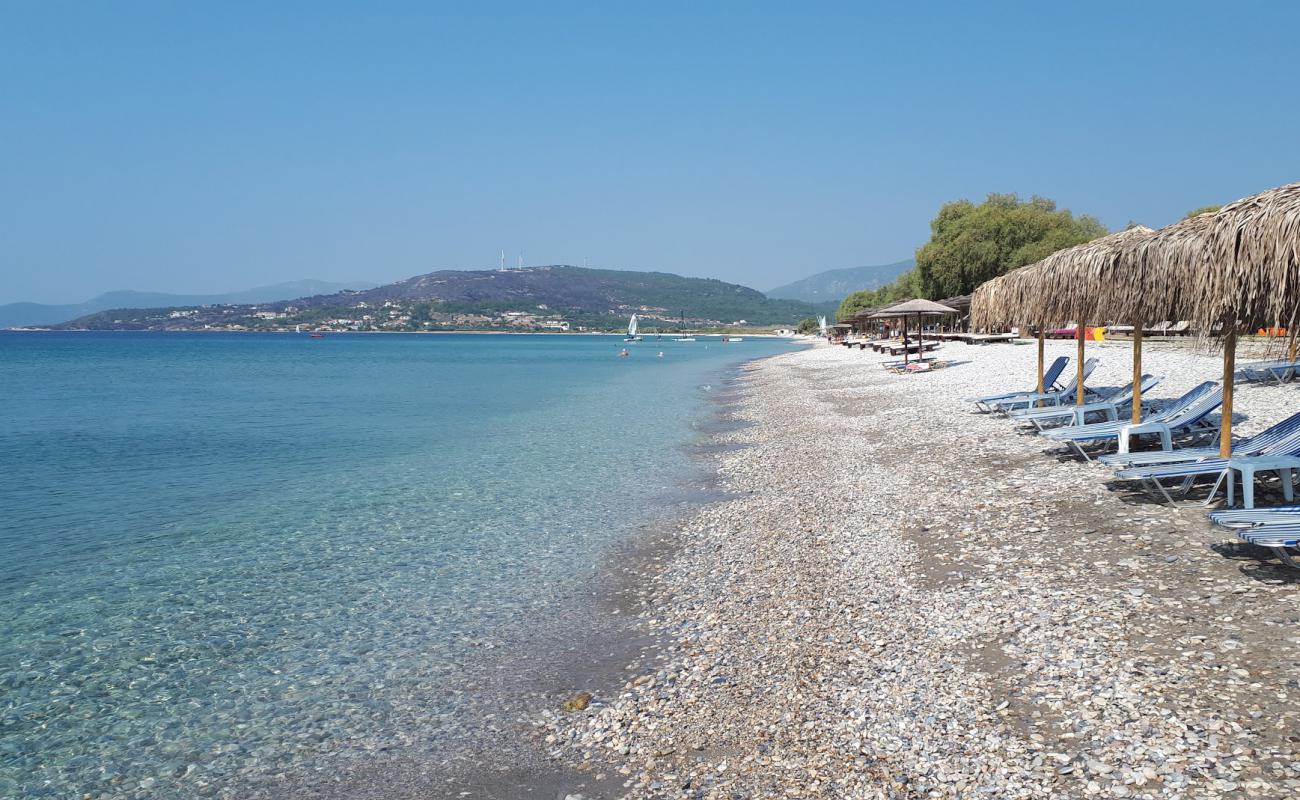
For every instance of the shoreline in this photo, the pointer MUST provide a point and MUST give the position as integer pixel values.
(905, 599)
(514, 760)
(742, 333)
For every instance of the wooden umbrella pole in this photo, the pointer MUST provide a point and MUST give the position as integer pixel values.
(905, 342)
(1290, 352)
(1229, 367)
(1137, 373)
(1078, 332)
(1041, 387)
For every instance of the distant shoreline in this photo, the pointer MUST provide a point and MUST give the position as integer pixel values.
(401, 333)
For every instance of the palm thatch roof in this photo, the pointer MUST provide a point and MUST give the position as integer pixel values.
(1070, 284)
(1153, 278)
(988, 306)
(1254, 245)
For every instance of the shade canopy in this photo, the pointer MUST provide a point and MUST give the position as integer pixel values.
(1069, 284)
(911, 308)
(961, 302)
(1254, 248)
(1072, 284)
(1153, 278)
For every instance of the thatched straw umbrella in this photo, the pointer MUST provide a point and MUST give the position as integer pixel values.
(1149, 279)
(1254, 247)
(918, 308)
(1069, 284)
(998, 302)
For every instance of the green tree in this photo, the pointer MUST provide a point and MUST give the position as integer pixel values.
(1196, 212)
(808, 325)
(904, 287)
(971, 243)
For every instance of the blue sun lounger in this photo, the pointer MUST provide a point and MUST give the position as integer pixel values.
(1064, 396)
(1251, 517)
(1253, 445)
(1078, 415)
(1281, 440)
(1185, 415)
(1263, 370)
(1276, 528)
(1050, 376)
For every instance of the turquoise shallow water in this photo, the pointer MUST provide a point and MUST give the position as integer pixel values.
(231, 558)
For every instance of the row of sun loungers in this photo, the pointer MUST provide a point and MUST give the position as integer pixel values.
(1050, 377)
(1066, 394)
(1180, 328)
(1108, 408)
(1055, 416)
(975, 338)
(894, 347)
(932, 340)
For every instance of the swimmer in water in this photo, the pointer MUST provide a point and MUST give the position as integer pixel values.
(661, 354)
(623, 353)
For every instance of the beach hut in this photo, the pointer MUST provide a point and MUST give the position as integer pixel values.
(1247, 274)
(961, 304)
(915, 308)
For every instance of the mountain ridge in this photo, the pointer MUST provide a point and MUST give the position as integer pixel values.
(22, 314)
(833, 285)
(541, 297)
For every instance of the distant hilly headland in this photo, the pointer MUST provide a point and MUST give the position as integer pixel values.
(18, 315)
(832, 285)
(559, 297)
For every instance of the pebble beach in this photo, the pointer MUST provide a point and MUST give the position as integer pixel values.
(902, 598)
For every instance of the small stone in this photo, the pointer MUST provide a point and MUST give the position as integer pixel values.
(578, 702)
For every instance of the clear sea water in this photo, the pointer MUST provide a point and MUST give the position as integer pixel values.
(231, 558)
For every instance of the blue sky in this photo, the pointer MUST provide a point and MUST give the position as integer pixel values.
(207, 147)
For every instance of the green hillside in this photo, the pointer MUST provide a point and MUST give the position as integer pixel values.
(531, 298)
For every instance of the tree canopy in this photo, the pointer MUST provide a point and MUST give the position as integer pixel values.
(1196, 212)
(971, 243)
(904, 287)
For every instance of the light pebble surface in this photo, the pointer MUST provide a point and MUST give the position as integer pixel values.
(907, 599)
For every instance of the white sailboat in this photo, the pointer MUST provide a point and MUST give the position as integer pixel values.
(631, 331)
(685, 337)
(821, 325)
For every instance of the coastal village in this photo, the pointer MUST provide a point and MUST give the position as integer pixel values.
(391, 316)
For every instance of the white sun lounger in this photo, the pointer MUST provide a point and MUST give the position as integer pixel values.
(1077, 415)
(1064, 396)
(1270, 450)
(1261, 442)
(1050, 376)
(1276, 528)
(1185, 415)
